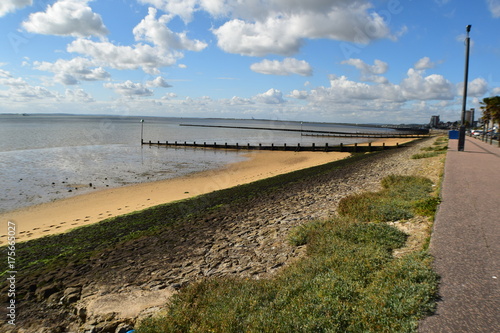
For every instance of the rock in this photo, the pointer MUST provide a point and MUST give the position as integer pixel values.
(45, 291)
(71, 295)
(123, 328)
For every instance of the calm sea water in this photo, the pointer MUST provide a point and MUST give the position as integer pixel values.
(48, 157)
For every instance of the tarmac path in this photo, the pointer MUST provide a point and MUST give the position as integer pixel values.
(466, 240)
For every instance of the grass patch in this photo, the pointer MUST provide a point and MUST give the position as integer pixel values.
(440, 146)
(401, 198)
(349, 282)
(425, 155)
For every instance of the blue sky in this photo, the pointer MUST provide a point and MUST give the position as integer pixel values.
(361, 61)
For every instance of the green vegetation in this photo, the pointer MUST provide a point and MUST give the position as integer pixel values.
(425, 155)
(440, 146)
(401, 198)
(349, 282)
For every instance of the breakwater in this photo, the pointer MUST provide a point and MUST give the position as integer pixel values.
(355, 148)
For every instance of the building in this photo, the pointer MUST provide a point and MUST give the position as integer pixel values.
(434, 123)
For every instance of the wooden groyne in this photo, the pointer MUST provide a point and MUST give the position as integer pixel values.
(407, 134)
(354, 148)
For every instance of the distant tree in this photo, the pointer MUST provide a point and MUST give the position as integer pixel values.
(491, 109)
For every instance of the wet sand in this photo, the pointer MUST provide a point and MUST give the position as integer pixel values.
(65, 214)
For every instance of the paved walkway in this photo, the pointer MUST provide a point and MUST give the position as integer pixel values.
(466, 242)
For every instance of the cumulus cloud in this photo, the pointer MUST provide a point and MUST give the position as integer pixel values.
(143, 56)
(370, 72)
(494, 7)
(280, 27)
(66, 18)
(432, 87)
(235, 100)
(20, 91)
(71, 72)
(163, 53)
(168, 96)
(4, 73)
(299, 94)
(155, 31)
(272, 96)
(129, 89)
(8, 6)
(286, 67)
(476, 88)
(424, 63)
(343, 90)
(182, 8)
(78, 95)
(158, 82)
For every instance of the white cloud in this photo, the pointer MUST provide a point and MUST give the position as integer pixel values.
(286, 67)
(494, 7)
(78, 95)
(155, 31)
(432, 87)
(495, 91)
(342, 90)
(20, 91)
(272, 96)
(299, 94)
(4, 73)
(67, 18)
(70, 72)
(235, 100)
(8, 6)
(280, 27)
(258, 28)
(424, 63)
(475, 88)
(168, 96)
(125, 57)
(129, 89)
(150, 58)
(182, 8)
(158, 82)
(370, 72)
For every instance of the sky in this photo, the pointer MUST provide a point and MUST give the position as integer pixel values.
(356, 61)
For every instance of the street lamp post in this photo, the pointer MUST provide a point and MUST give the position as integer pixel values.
(461, 134)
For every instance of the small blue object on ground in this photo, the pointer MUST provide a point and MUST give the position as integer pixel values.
(453, 135)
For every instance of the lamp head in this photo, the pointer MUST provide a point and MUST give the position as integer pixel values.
(468, 28)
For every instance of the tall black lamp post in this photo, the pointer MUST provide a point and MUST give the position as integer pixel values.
(461, 134)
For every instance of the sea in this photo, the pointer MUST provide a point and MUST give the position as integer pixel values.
(48, 157)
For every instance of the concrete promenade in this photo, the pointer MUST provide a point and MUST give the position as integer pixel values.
(466, 242)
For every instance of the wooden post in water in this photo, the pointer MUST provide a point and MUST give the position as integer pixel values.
(341, 147)
(142, 131)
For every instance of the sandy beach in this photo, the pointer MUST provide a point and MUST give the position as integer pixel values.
(65, 214)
